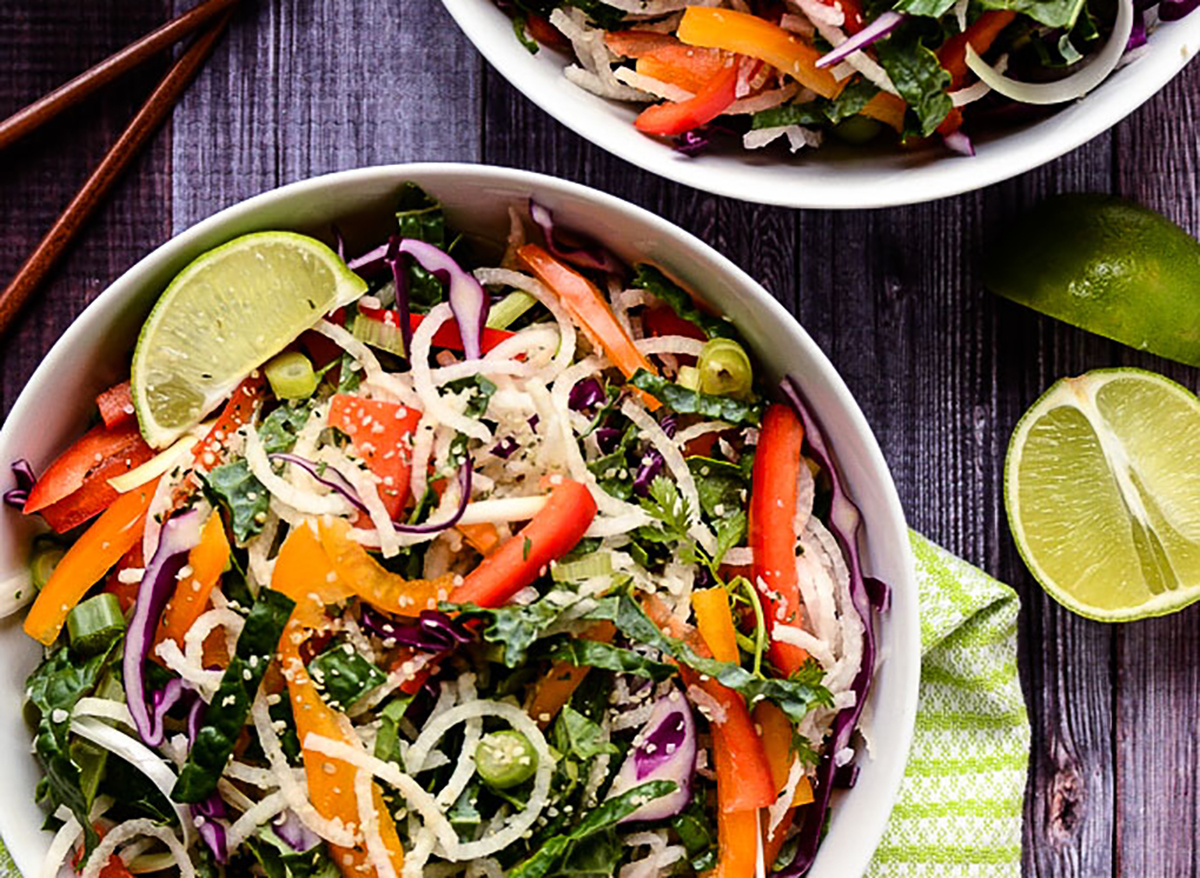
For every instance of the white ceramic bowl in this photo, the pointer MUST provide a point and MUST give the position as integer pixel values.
(833, 177)
(58, 401)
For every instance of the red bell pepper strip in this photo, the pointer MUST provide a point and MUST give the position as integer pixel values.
(773, 495)
(126, 592)
(552, 533)
(239, 410)
(662, 320)
(75, 487)
(590, 311)
(672, 118)
(953, 55)
(101, 546)
(447, 335)
(379, 430)
(545, 33)
(116, 405)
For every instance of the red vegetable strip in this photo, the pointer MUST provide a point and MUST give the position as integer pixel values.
(773, 496)
(379, 430)
(116, 405)
(75, 466)
(447, 335)
(673, 118)
(552, 533)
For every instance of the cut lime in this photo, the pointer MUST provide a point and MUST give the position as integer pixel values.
(1102, 486)
(223, 316)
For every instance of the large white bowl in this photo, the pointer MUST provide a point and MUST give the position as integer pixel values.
(833, 177)
(58, 401)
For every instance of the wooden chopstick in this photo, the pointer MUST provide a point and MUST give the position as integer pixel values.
(44, 109)
(122, 153)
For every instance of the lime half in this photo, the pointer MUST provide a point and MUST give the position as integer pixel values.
(1102, 486)
(223, 316)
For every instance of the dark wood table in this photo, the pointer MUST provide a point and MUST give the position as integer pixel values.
(942, 369)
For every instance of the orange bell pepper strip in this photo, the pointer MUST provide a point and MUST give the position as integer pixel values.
(672, 118)
(773, 495)
(482, 537)
(549, 535)
(207, 561)
(372, 582)
(101, 546)
(304, 573)
(747, 34)
(556, 688)
(777, 732)
(665, 58)
(586, 305)
(888, 109)
(378, 430)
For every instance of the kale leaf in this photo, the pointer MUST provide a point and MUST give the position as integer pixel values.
(691, 402)
(652, 280)
(919, 77)
(344, 676)
(591, 653)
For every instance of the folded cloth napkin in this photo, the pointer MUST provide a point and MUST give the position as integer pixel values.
(959, 811)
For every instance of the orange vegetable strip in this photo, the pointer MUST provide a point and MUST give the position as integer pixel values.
(888, 109)
(587, 306)
(101, 546)
(747, 34)
(980, 35)
(207, 561)
(371, 581)
(672, 118)
(304, 573)
(714, 618)
(556, 688)
(777, 741)
(378, 429)
(483, 537)
(773, 496)
(552, 533)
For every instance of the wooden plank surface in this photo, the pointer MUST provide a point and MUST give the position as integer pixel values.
(942, 369)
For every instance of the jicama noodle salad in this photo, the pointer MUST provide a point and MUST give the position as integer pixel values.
(508, 565)
(797, 71)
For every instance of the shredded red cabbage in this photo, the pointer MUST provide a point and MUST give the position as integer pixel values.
(607, 438)
(1173, 10)
(844, 522)
(213, 832)
(432, 632)
(692, 142)
(294, 833)
(587, 254)
(664, 749)
(179, 535)
(468, 299)
(327, 475)
(506, 447)
(876, 30)
(652, 461)
(25, 480)
(395, 261)
(959, 142)
(586, 395)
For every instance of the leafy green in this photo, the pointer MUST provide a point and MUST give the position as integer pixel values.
(280, 429)
(851, 101)
(604, 817)
(928, 8)
(612, 471)
(134, 795)
(918, 76)
(226, 714)
(420, 216)
(343, 676)
(387, 741)
(577, 736)
(1052, 13)
(514, 627)
(463, 815)
(722, 486)
(349, 375)
(280, 860)
(690, 402)
(647, 277)
(591, 653)
(242, 495)
(54, 689)
(795, 696)
(479, 393)
(530, 44)
(819, 112)
(694, 828)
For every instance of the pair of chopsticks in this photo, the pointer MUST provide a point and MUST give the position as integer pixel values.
(147, 120)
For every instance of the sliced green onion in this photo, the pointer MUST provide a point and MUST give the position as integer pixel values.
(46, 555)
(291, 376)
(505, 759)
(725, 369)
(505, 312)
(382, 334)
(596, 564)
(95, 623)
(689, 377)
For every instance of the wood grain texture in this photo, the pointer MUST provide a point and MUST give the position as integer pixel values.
(942, 369)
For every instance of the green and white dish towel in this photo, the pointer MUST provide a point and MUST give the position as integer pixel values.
(959, 811)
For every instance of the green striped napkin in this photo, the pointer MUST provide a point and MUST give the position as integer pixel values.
(959, 811)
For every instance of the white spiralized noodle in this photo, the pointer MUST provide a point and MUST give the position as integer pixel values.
(828, 21)
(262, 811)
(797, 24)
(798, 137)
(262, 778)
(206, 622)
(778, 809)
(160, 505)
(977, 90)
(695, 431)
(308, 502)
(296, 795)
(368, 821)
(70, 832)
(851, 626)
(104, 708)
(205, 681)
(421, 452)
(739, 556)
(591, 50)
(367, 488)
(820, 602)
(140, 757)
(465, 768)
(376, 377)
(131, 829)
(670, 344)
(676, 464)
(764, 101)
(660, 856)
(566, 327)
(431, 402)
(806, 492)
(666, 90)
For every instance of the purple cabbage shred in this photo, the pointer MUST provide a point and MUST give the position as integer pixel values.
(432, 632)
(586, 396)
(25, 479)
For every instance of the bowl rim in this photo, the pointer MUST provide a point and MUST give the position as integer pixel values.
(822, 185)
(871, 815)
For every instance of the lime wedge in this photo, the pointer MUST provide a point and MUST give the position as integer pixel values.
(223, 316)
(1102, 486)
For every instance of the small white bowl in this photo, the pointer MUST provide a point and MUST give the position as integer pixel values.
(55, 407)
(832, 177)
